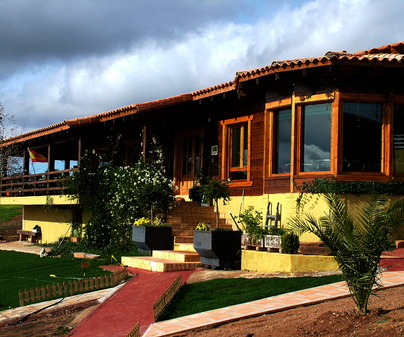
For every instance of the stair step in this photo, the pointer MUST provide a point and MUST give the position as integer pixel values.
(184, 239)
(184, 246)
(177, 255)
(157, 264)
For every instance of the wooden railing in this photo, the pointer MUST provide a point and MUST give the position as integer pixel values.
(71, 288)
(48, 183)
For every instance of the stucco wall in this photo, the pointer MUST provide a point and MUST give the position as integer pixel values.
(54, 221)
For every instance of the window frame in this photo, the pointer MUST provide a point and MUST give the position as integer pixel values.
(386, 133)
(227, 125)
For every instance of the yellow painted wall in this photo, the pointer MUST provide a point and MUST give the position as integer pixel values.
(54, 221)
(286, 263)
(38, 200)
(314, 204)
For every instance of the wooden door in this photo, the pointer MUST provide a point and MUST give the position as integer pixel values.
(189, 159)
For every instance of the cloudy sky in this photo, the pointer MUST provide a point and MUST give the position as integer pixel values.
(70, 58)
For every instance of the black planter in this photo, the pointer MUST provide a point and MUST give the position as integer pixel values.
(148, 239)
(219, 249)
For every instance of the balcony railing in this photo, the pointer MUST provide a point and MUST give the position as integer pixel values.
(48, 183)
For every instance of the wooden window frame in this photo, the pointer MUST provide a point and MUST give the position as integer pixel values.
(226, 154)
(295, 103)
(386, 133)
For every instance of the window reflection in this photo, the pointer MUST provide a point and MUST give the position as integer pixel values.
(362, 137)
(316, 137)
(281, 153)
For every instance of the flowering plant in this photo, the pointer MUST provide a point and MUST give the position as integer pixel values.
(202, 227)
(116, 196)
(142, 222)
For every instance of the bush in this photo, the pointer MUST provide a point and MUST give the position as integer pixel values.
(290, 243)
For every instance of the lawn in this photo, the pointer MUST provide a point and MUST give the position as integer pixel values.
(219, 293)
(19, 271)
(8, 213)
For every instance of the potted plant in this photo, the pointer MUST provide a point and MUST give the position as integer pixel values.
(251, 222)
(214, 190)
(290, 243)
(273, 239)
(218, 248)
(149, 236)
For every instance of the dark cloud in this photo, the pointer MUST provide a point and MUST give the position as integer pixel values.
(36, 31)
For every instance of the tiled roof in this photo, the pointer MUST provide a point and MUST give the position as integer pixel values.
(102, 117)
(392, 53)
(388, 53)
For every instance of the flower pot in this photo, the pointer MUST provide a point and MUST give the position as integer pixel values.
(149, 238)
(219, 249)
(273, 241)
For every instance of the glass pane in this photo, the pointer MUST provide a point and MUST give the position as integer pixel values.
(281, 157)
(362, 137)
(245, 146)
(316, 138)
(399, 139)
(235, 146)
(238, 175)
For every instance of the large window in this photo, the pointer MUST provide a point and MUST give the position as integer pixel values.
(316, 138)
(362, 137)
(282, 141)
(399, 139)
(239, 151)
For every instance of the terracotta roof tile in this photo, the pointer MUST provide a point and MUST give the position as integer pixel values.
(217, 89)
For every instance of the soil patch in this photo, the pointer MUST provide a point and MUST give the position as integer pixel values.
(8, 229)
(57, 322)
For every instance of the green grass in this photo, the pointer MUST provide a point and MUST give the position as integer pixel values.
(7, 213)
(19, 271)
(219, 293)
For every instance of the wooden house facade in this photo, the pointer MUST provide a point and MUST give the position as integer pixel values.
(267, 132)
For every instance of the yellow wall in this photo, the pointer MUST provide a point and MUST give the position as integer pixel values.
(38, 200)
(54, 221)
(285, 263)
(314, 204)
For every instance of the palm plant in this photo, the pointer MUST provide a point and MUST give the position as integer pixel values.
(356, 241)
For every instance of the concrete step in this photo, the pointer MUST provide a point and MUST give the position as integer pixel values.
(177, 255)
(158, 265)
(314, 248)
(185, 239)
(184, 246)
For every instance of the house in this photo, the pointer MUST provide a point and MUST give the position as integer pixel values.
(267, 131)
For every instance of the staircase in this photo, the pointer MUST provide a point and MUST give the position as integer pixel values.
(184, 217)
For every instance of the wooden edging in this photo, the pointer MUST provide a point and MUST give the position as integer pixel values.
(70, 288)
(166, 298)
(135, 331)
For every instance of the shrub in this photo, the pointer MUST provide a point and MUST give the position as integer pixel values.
(290, 243)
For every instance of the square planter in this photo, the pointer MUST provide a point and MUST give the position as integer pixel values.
(148, 238)
(273, 241)
(219, 249)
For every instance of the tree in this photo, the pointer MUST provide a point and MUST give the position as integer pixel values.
(356, 239)
(214, 190)
(8, 163)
